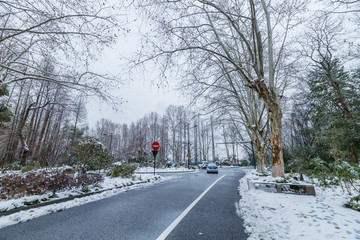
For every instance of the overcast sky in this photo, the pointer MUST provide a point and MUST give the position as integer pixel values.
(140, 96)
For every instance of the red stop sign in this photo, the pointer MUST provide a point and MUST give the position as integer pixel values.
(155, 146)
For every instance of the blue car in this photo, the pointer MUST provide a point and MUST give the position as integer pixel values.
(212, 168)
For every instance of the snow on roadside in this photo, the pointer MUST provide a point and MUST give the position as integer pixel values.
(108, 183)
(276, 216)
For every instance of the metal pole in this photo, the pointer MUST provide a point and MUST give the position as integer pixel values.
(195, 147)
(154, 153)
(189, 147)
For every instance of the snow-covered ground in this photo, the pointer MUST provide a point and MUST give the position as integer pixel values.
(112, 184)
(277, 216)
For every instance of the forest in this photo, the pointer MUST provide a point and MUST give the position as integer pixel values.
(284, 75)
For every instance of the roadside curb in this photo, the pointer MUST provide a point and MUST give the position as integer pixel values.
(15, 210)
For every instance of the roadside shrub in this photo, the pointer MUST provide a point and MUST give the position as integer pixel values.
(124, 171)
(27, 168)
(354, 203)
(337, 173)
(15, 166)
(92, 155)
(38, 183)
(225, 163)
(69, 170)
(244, 163)
(85, 180)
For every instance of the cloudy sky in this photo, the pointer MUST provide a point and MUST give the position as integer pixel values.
(140, 96)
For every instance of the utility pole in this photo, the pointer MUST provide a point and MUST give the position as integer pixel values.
(195, 144)
(188, 155)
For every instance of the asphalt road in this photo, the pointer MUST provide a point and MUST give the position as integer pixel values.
(146, 213)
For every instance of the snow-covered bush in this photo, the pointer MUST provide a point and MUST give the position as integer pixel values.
(337, 173)
(92, 155)
(354, 203)
(123, 170)
(17, 185)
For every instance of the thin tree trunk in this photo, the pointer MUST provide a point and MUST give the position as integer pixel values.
(212, 139)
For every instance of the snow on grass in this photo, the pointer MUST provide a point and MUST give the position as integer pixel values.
(276, 216)
(109, 183)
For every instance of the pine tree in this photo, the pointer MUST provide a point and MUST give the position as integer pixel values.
(5, 112)
(334, 109)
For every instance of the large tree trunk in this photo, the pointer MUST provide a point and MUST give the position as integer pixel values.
(275, 115)
(259, 153)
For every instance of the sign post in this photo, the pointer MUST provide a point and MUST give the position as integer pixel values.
(155, 146)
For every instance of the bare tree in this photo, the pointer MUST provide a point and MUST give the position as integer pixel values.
(73, 31)
(197, 34)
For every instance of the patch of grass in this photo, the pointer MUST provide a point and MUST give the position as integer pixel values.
(29, 203)
(3, 210)
(124, 171)
(53, 196)
(282, 181)
(27, 168)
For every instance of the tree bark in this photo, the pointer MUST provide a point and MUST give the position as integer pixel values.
(275, 116)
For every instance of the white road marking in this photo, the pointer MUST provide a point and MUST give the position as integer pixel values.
(184, 213)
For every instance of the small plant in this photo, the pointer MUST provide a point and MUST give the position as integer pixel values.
(29, 203)
(27, 168)
(53, 196)
(124, 171)
(338, 172)
(354, 203)
(282, 181)
(3, 210)
(15, 166)
(68, 170)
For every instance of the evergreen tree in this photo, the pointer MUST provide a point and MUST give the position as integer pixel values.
(334, 110)
(5, 112)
